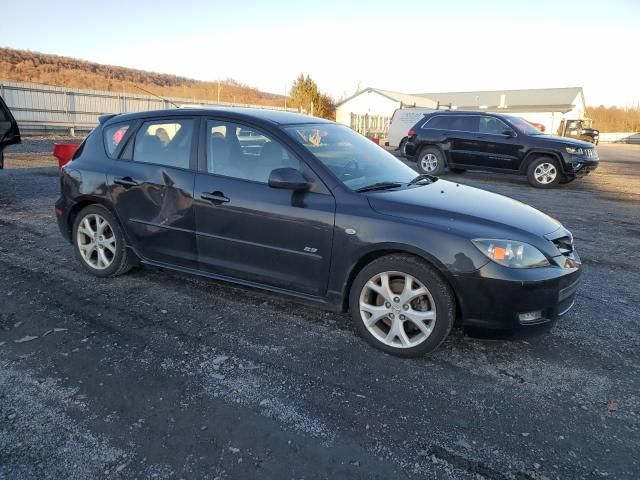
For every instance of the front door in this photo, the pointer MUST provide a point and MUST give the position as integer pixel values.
(495, 149)
(151, 186)
(253, 232)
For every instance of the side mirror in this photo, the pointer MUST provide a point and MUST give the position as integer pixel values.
(288, 178)
(507, 132)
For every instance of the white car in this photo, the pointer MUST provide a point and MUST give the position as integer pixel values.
(401, 121)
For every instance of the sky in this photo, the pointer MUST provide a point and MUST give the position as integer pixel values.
(411, 47)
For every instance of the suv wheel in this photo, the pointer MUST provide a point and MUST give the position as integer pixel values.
(430, 160)
(544, 172)
(99, 243)
(401, 305)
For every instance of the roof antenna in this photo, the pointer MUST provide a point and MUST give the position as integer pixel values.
(157, 96)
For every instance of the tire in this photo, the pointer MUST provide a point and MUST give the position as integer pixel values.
(1, 159)
(537, 176)
(105, 253)
(430, 160)
(457, 170)
(398, 311)
(403, 148)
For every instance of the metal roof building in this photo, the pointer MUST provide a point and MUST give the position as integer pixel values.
(547, 106)
(543, 99)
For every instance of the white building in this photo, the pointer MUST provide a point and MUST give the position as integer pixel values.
(547, 106)
(369, 110)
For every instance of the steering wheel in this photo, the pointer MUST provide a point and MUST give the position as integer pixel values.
(350, 170)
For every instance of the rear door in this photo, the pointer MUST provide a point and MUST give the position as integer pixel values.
(9, 132)
(463, 139)
(151, 186)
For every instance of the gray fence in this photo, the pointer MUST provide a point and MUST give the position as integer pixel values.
(46, 109)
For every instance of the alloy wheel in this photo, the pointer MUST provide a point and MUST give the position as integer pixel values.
(397, 309)
(545, 173)
(96, 241)
(429, 162)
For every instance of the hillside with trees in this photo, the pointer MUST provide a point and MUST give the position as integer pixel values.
(615, 119)
(34, 67)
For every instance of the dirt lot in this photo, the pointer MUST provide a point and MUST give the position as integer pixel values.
(155, 375)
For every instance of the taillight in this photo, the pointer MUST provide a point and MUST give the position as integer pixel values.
(411, 133)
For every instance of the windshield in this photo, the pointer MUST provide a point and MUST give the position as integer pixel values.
(523, 126)
(354, 159)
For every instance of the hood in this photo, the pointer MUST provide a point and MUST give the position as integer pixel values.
(467, 209)
(565, 140)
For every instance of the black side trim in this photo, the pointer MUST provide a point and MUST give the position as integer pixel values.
(228, 239)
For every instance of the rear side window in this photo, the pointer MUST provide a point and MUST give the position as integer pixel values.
(113, 136)
(164, 142)
(465, 123)
(439, 122)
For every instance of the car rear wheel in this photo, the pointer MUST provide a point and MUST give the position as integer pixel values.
(544, 172)
(401, 305)
(99, 243)
(431, 161)
(403, 148)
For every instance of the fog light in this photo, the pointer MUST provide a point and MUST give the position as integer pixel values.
(530, 317)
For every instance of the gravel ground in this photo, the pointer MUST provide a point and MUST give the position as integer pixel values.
(43, 144)
(156, 375)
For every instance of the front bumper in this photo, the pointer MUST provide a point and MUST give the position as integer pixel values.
(580, 165)
(497, 297)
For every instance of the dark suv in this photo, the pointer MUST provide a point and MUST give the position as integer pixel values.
(495, 142)
(309, 208)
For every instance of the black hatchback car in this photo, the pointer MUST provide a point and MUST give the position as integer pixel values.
(463, 140)
(306, 207)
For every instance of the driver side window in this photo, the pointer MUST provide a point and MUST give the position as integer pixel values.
(492, 126)
(242, 152)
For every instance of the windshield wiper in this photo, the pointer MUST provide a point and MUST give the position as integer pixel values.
(379, 186)
(419, 178)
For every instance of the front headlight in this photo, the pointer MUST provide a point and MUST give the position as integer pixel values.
(511, 253)
(574, 150)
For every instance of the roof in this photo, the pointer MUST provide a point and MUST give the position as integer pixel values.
(562, 98)
(404, 98)
(277, 117)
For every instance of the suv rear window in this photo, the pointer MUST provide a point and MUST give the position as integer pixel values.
(465, 123)
(113, 135)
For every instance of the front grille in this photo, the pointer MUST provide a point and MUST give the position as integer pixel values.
(590, 153)
(564, 244)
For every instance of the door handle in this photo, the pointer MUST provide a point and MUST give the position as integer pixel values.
(215, 197)
(126, 182)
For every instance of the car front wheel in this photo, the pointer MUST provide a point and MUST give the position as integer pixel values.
(544, 172)
(401, 305)
(431, 161)
(99, 243)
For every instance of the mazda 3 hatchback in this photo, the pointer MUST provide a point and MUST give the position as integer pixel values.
(308, 208)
